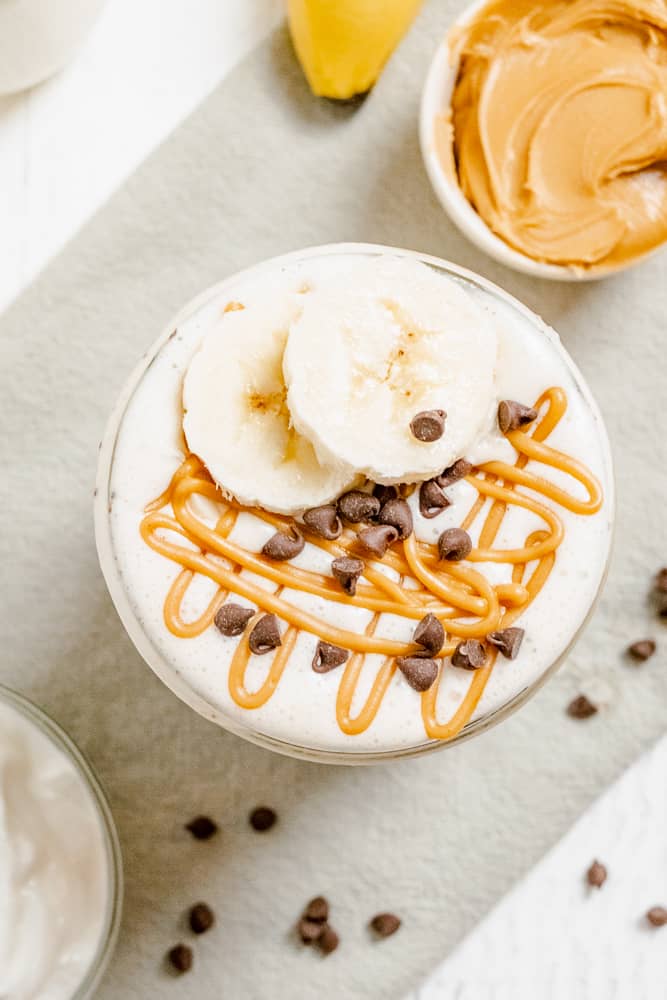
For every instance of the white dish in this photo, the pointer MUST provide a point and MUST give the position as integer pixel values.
(435, 103)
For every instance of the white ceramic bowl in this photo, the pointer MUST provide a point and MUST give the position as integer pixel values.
(38, 37)
(435, 102)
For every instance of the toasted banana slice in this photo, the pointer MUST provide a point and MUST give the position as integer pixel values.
(236, 418)
(371, 351)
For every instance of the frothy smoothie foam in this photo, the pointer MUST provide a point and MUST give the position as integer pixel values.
(356, 503)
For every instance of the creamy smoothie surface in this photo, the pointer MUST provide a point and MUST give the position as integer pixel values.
(357, 503)
(54, 870)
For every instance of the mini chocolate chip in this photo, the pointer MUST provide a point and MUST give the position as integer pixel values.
(356, 506)
(284, 544)
(265, 635)
(419, 671)
(385, 924)
(202, 827)
(262, 819)
(454, 544)
(507, 641)
(642, 650)
(581, 707)
(397, 513)
(430, 634)
(201, 918)
(310, 930)
(377, 539)
(661, 580)
(231, 619)
(324, 521)
(328, 940)
(327, 657)
(384, 493)
(459, 470)
(317, 910)
(469, 655)
(432, 499)
(428, 425)
(596, 875)
(657, 916)
(347, 572)
(512, 415)
(180, 958)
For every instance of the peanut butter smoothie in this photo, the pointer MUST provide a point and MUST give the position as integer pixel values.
(355, 504)
(559, 119)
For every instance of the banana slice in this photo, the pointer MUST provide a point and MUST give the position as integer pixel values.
(368, 354)
(236, 418)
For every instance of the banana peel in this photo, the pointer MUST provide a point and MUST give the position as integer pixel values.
(343, 45)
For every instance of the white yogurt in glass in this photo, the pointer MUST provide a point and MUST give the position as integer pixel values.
(142, 450)
(59, 863)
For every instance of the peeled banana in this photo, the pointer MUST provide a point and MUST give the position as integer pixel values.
(364, 357)
(343, 44)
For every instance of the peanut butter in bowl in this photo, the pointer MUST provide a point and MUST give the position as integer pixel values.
(556, 129)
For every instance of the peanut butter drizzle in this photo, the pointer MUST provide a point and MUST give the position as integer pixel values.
(458, 594)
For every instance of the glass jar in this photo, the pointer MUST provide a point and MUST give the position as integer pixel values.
(38, 719)
(194, 318)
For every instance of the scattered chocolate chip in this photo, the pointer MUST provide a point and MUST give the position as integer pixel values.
(317, 910)
(397, 513)
(328, 657)
(469, 655)
(642, 650)
(231, 619)
(377, 539)
(507, 641)
(180, 958)
(384, 493)
(202, 827)
(356, 506)
(347, 571)
(310, 930)
(581, 707)
(324, 521)
(596, 875)
(328, 940)
(428, 425)
(284, 544)
(432, 499)
(201, 918)
(385, 924)
(419, 671)
(512, 415)
(265, 635)
(657, 916)
(454, 544)
(661, 580)
(430, 634)
(262, 819)
(459, 470)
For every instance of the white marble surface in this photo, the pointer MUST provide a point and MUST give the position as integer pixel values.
(439, 840)
(557, 938)
(67, 144)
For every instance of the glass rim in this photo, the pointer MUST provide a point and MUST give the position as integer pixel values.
(164, 669)
(54, 732)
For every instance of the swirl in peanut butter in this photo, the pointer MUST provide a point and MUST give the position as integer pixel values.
(459, 595)
(559, 120)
